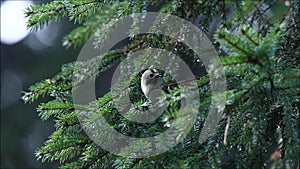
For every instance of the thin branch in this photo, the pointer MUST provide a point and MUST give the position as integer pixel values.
(226, 130)
(222, 36)
(61, 148)
(249, 38)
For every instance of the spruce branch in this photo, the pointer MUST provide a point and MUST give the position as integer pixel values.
(43, 14)
(262, 78)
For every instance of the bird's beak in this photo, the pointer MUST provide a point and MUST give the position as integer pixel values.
(160, 74)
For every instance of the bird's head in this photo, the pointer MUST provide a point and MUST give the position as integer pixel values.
(151, 79)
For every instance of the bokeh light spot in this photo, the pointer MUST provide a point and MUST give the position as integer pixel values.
(13, 21)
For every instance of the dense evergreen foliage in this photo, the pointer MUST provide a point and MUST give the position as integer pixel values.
(258, 44)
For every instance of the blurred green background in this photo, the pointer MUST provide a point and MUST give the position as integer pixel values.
(26, 58)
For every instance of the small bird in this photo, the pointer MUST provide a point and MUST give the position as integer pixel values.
(154, 82)
(151, 79)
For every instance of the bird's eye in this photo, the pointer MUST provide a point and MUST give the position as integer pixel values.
(151, 75)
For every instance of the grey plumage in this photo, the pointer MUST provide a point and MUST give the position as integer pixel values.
(151, 79)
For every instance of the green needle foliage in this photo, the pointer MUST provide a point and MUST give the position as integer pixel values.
(260, 56)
